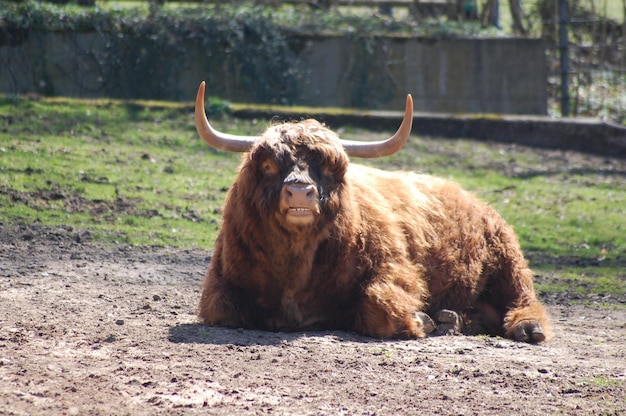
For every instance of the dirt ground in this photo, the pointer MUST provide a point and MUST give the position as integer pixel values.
(88, 330)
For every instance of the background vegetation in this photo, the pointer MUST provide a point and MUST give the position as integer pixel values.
(136, 173)
(256, 35)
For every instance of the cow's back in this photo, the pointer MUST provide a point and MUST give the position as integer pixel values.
(440, 226)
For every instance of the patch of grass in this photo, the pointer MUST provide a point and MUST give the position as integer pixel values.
(601, 382)
(604, 283)
(382, 352)
(120, 169)
(137, 173)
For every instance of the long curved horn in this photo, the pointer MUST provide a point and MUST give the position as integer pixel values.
(384, 147)
(214, 138)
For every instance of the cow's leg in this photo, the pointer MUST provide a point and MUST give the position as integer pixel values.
(529, 323)
(510, 290)
(387, 311)
(449, 322)
(220, 305)
(427, 322)
(482, 318)
(525, 319)
(389, 308)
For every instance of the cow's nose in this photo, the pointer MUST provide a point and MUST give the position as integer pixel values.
(298, 193)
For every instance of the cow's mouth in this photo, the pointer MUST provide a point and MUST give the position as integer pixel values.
(300, 215)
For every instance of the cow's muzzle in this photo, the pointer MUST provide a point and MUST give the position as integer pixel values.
(299, 203)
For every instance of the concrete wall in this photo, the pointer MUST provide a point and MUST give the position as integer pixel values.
(443, 75)
(506, 76)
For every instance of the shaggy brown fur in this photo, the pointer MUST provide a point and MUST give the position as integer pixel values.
(380, 247)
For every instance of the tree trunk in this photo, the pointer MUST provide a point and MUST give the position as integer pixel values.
(518, 17)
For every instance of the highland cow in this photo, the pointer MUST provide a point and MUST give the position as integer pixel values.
(312, 241)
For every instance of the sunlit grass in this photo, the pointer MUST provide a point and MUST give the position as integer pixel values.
(137, 173)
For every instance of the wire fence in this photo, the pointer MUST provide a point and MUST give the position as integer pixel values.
(595, 46)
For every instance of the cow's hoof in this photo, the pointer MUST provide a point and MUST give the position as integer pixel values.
(529, 331)
(427, 323)
(449, 322)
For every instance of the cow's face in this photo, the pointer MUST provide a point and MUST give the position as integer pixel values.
(298, 169)
(295, 171)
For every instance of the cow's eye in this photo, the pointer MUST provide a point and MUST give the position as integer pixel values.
(269, 168)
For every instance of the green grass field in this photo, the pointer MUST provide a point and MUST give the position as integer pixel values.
(137, 173)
